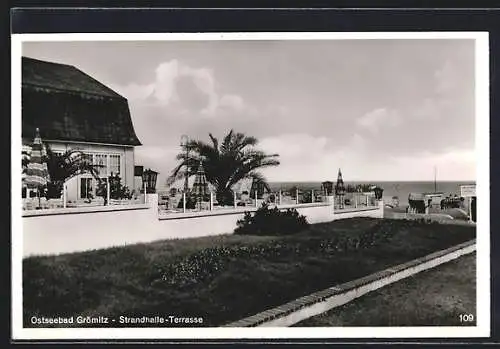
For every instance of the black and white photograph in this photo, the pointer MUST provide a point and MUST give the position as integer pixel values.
(250, 185)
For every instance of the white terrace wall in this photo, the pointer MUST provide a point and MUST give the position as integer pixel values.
(80, 229)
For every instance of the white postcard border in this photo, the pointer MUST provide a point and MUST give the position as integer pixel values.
(483, 226)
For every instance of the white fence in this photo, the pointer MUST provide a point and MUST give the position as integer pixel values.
(58, 231)
(34, 203)
(173, 204)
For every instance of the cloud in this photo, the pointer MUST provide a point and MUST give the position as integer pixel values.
(449, 95)
(232, 102)
(295, 145)
(447, 78)
(133, 91)
(429, 109)
(379, 118)
(184, 89)
(451, 164)
(305, 157)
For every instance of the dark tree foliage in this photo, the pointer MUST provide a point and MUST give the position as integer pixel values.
(306, 197)
(293, 191)
(190, 202)
(117, 190)
(359, 188)
(62, 167)
(266, 221)
(378, 193)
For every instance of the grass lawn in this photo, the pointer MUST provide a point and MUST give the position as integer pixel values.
(224, 278)
(436, 297)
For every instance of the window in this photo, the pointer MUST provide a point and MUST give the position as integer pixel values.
(102, 162)
(114, 164)
(85, 187)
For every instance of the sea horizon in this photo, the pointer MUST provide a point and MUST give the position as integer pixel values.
(379, 181)
(391, 189)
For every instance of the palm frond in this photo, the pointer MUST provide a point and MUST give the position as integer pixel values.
(69, 164)
(215, 141)
(241, 142)
(226, 163)
(227, 143)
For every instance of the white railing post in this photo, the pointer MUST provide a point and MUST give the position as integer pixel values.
(356, 201)
(211, 201)
(279, 197)
(145, 200)
(183, 202)
(256, 205)
(470, 208)
(297, 196)
(312, 196)
(108, 191)
(234, 199)
(64, 195)
(366, 200)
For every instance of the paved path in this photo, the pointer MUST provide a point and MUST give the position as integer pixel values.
(434, 297)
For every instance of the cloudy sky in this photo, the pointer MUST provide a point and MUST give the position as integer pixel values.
(378, 109)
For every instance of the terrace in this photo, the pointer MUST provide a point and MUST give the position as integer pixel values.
(94, 227)
(171, 204)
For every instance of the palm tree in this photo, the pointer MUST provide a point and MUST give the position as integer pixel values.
(24, 161)
(63, 167)
(225, 164)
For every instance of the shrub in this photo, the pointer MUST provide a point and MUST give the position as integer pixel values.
(306, 197)
(117, 191)
(272, 198)
(268, 221)
(190, 203)
(378, 193)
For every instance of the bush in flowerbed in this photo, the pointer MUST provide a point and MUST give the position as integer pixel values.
(266, 221)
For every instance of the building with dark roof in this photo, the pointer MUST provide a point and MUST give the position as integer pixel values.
(75, 111)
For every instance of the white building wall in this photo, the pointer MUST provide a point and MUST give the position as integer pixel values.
(46, 232)
(128, 173)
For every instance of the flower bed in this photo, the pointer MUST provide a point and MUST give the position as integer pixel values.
(224, 279)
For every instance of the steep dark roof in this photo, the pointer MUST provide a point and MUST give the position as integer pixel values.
(69, 105)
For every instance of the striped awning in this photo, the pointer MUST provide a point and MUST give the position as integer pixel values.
(200, 185)
(37, 174)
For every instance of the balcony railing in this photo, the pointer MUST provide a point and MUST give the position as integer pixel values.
(171, 204)
(43, 203)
